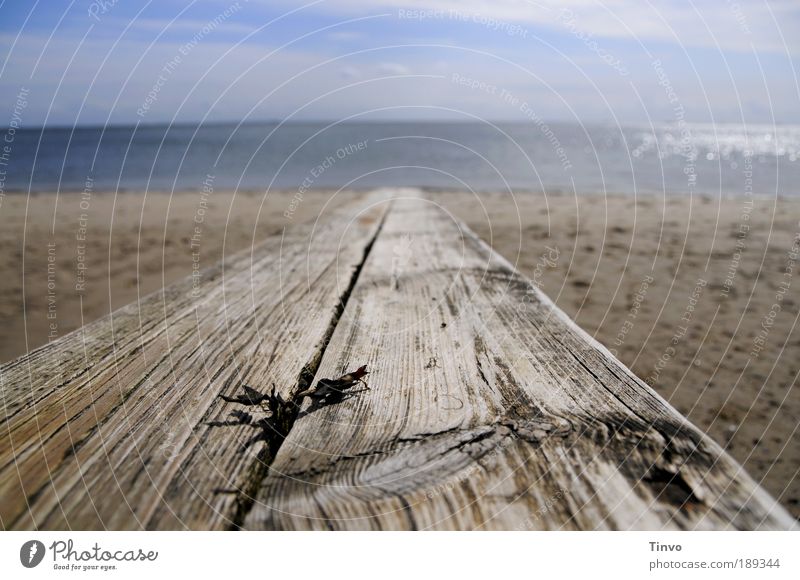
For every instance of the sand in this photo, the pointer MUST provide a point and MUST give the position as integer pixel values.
(698, 296)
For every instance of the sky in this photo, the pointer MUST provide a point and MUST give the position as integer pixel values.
(612, 61)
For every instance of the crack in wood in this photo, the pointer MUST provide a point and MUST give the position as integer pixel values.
(283, 413)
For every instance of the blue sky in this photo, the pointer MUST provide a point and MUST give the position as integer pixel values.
(616, 61)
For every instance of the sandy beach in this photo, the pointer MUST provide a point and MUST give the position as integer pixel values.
(697, 296)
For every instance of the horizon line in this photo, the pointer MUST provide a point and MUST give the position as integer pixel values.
(150, 125)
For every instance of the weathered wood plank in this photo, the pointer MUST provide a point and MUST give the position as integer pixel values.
(120, 425)
(488, 409)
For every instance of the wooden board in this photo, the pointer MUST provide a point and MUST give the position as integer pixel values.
(120, 424)
(488, 409)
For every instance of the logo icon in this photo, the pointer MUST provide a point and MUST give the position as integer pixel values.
(31, 553)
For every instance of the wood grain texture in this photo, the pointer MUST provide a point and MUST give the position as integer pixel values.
(120, 425)
(488, 409)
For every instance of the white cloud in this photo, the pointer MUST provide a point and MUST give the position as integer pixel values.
(393, 68)
(732, 24)
(350, 72)
(708, 91)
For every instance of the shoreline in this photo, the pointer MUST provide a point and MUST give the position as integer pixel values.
(517, 192)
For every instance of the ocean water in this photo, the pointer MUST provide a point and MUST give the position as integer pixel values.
(675, 159)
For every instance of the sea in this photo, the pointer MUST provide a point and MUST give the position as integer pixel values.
(672, 159)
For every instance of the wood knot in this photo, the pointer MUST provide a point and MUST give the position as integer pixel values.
(535, 430)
